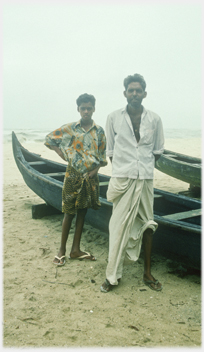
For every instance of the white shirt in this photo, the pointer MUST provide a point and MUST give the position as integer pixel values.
(134, 159)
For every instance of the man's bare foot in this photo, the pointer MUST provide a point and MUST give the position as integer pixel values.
(106, 286)
(82, 255)
(152, 283)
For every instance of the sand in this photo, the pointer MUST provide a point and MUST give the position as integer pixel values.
(48, 306)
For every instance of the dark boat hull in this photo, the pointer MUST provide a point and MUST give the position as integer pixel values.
(180, 238)
(50, 190)
(181, 167)
(175, 240)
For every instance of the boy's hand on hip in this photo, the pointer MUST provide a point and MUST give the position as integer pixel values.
(93, 172)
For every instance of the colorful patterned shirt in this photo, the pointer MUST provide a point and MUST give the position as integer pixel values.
(84, 150)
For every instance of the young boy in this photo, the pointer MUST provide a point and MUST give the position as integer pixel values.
(83, 145)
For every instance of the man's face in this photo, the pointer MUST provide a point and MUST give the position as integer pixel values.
(135, 94)
(86, 111)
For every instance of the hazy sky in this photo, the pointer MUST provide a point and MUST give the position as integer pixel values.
(54, 51)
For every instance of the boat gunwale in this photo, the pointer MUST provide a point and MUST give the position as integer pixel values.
(172, 160)
(183, 156)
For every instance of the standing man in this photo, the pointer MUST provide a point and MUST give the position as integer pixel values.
(83, 145)
(135, 140)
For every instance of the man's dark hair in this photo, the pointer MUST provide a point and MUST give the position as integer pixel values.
(86, 98)
(135, 78)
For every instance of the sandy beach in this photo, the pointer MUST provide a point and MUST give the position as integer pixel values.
(49, 306)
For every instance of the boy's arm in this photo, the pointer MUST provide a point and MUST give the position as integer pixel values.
(58, 151)
(54, 139)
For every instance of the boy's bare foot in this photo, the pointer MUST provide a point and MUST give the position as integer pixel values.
(82, 255)
(59, 259)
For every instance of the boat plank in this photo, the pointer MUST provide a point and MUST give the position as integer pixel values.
(33, 163)
(41, 210)
(184, 215)
(103, 183)
(55, 174)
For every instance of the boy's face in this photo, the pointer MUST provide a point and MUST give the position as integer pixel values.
(86, 111)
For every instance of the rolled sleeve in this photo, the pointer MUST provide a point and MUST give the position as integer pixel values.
(159, 139)
(110, 135)
(54, 138)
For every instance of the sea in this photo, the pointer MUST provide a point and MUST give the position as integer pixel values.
(38, 135)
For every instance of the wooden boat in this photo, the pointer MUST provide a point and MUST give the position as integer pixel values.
(180, 166)
(179, 232)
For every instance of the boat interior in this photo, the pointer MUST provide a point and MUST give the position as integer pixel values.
(165, 204)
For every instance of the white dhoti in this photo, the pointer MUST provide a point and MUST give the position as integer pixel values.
(132, 215)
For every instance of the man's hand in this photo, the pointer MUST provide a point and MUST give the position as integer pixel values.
(157, 157)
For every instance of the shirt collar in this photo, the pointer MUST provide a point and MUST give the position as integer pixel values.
(78, 123)
(143, 113)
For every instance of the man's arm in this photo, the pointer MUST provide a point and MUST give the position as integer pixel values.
(159, 141)
(110, 136)
(157, 157)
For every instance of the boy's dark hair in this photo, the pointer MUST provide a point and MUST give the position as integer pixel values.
(135, 78)
(86, 98)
